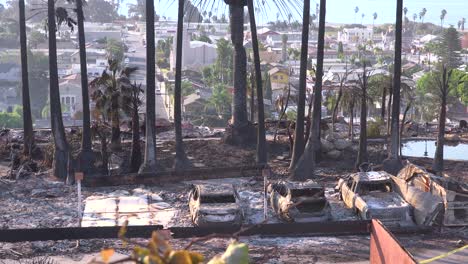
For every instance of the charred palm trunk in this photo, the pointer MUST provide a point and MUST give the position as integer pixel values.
(116, 144)
(407, 108)
(261, 141)
(27, 118)
(104, 155)
(308, 121)
(61, 154)
(351, 121)
(362, 153)
(86, 155)
(241, 132)
(135, 156)
(438, 163)
(335, 107)
(384, 100)
(389, 107)
(306, 164)
(252, 97)
(149, 163)
(181, 161)
(393, 163)
(299, 143)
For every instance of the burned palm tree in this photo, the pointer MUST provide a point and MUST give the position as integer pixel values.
(342, 79)
(62, 150)
(87, 154)
(299, 143)
(363, 84)
(131, 104)
(28, 141)
(149, 163)
(393, 163)
(241, 131)
(261, 141)
(181, 161)
(306, 164)
(109, 83)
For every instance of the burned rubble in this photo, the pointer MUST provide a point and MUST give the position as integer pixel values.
(32, 199)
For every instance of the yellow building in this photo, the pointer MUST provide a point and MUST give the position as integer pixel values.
(279, 81)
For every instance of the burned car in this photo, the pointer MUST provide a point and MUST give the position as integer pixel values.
(215, 204)
(299, 201)
(454, 194)
(373, 195)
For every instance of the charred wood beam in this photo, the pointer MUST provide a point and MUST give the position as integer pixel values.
(73, 233)
(280, 229)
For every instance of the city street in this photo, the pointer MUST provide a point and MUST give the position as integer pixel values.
(138, 58)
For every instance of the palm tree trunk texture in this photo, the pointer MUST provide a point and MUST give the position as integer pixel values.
(261, 140)
(306, 164)
(135, 156)
(61, 155)
(405, 113)
(389, 108)
(181, 161)
(116, 143)
(362, 153)
(27, 118)
(335, 107)
(351, 122)
(298, 148)
(438, 163)
(395, 144)
(240, 122)
(393, 163)
(86, 156)
(252, 97)
(384, 99)
(149, 163)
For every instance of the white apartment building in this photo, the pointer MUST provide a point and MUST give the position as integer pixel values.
(355, 35)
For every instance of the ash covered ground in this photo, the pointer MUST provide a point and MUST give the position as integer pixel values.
(36, 201)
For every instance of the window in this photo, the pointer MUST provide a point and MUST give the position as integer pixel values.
(67, 100)
(225, 198)
(73, 100)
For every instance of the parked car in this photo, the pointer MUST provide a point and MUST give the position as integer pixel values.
(372, 195)
(299, 201)
(215, 204)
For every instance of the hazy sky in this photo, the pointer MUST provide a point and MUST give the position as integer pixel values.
(342, 11)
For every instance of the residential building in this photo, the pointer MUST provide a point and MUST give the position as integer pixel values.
(93, 56)
(270, 57)
(196, 54)
(279, 79)
(195, 104)
(70, 93)
(294, 39)
(355, 35)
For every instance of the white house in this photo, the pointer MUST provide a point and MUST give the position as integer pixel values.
(195, 53)
(355, 35)
(70, 93)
